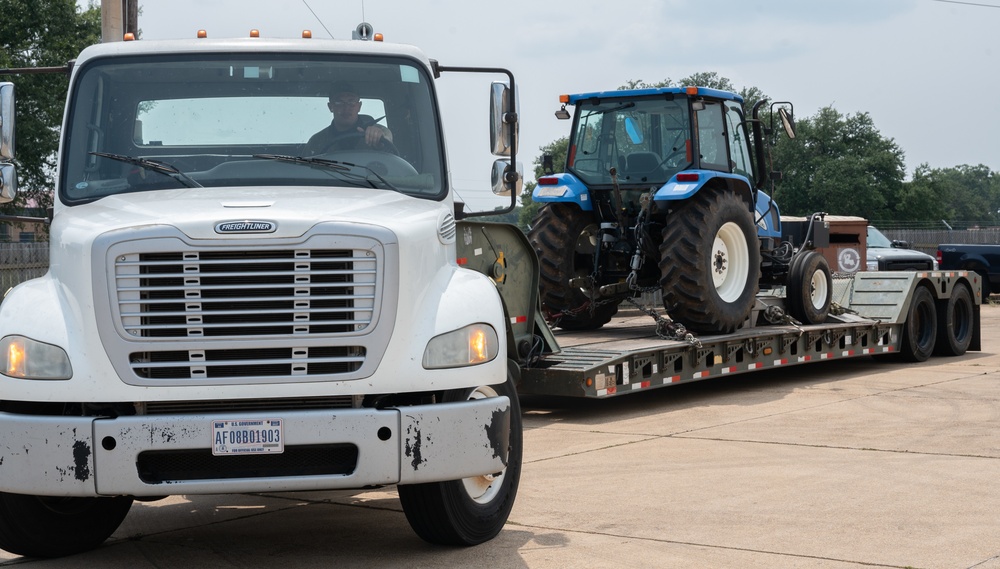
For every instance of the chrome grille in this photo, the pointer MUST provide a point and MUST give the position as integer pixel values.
(235, 294)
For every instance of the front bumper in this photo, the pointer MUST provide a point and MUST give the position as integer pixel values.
(155, 455)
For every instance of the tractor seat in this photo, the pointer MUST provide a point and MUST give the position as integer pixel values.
(639, 164)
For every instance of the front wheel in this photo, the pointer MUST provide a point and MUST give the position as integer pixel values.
(472, 510)
(809, 290)
(43, 526)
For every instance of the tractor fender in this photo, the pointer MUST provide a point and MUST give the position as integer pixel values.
(566, 188)
(677, 190)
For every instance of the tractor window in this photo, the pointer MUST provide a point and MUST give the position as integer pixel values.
(739, 142)
(645, 140)
(712, 138)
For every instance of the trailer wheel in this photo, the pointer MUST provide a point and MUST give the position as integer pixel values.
(710, 262)
(565, 239)
(920, 330)
(472, 510)
(809, 290)
(955, 321)
(43, 526)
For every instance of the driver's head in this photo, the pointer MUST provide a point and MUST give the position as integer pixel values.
(344, 104)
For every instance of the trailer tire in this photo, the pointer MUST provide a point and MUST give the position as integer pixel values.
(710, 262)
(44, 526)
(809, 290)
(920, 329)
(473, 510)
(956, 321)
(565, 240)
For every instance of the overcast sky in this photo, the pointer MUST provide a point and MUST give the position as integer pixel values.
(918, 67)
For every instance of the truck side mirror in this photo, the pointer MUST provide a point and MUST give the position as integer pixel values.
(502, 181)
(6, 121)
(503, 120)
(8, 183)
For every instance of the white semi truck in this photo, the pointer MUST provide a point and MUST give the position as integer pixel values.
(225, 312)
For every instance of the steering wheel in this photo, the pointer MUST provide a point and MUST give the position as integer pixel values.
(671, 156)
(356, 141)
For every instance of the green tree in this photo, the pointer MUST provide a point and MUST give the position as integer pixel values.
(41, 33)
(839, 164)
(964, 195)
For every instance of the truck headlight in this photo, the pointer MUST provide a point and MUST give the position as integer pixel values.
(28, 359)
(471, 345)
(872, 265)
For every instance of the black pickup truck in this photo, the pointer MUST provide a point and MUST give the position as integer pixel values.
(984, 259)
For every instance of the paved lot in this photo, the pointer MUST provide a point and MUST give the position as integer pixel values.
(837, 464)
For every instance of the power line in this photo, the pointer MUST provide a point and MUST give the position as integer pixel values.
(317, 18)
(968, 3)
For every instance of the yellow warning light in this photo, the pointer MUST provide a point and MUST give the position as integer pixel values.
(767, 351)
(255, 33)
(129, 36)
(307, 34)
(378, 37)
(590, 382)
(564, 99)
(691, 90)
(202, 34)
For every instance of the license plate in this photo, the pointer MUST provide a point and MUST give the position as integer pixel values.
(248, 436)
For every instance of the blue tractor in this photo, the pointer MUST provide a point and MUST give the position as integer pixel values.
(663, 190)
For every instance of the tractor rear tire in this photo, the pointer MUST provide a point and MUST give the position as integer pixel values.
(809, 290)
(566, 239)
(710, 262)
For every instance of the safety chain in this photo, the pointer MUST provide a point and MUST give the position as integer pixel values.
(775, 315)
(837, 309)
(666, 328)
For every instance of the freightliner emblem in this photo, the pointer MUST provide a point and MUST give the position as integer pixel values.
(246, 226)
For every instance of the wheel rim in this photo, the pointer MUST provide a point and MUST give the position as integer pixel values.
(483, 489)
(818, 290)
(730, 262)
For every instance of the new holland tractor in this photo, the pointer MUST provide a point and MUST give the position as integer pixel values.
(663, 190)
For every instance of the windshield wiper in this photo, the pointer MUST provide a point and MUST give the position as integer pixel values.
(344, 168)
(154, 165)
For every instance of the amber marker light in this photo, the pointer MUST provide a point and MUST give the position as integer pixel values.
(255, 33)
(378, 37)
(202, 34)
(129, 36)
(691, 90)
(307, 34)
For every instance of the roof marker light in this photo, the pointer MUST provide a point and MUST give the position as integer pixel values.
(129, 36)
(691, 90)
(307, 34)
(202, 34)
(563, 98)
(255, 33)
(378, 36)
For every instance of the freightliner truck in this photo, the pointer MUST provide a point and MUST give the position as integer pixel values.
(228, 311)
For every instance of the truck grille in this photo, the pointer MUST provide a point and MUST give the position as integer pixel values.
(245, 311)
(224, 294)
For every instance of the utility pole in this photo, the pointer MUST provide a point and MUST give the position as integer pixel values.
(117, 18)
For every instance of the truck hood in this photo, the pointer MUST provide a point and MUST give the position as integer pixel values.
(227, 213)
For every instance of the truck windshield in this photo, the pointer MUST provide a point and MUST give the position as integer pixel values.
(219, 120)
(645, 140)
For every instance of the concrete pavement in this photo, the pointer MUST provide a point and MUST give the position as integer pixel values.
(835, 464)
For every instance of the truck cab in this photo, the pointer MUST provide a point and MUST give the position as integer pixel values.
(227, 310)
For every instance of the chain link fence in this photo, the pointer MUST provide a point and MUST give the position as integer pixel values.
(22, 261)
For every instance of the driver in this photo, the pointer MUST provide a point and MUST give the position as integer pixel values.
(347, 124)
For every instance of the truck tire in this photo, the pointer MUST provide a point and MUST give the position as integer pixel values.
(920, 329)
(809, 290)
(43, 526)
(710, 263)
(472, 510)
(956, 321)
(565, 239)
